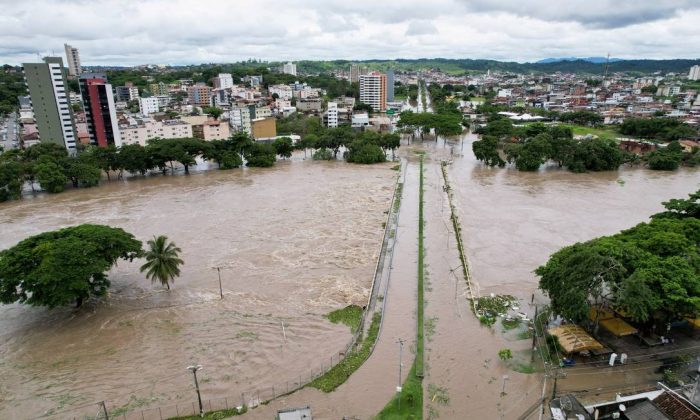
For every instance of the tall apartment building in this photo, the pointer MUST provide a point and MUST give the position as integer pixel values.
(694, 73)
(354, 73)
(289, 68)
(390, 85)
(223, 81)
(199, 95)
(332, 115)
(73, 59)
(159, 89)
(47, 86)
(373, 90)
(100, 112)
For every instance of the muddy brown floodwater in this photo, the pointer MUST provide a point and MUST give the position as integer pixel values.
(293, 242)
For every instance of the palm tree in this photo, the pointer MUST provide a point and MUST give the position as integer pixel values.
(162, 261)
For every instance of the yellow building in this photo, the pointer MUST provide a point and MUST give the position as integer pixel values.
(264, 128)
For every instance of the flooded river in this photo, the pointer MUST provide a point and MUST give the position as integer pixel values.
(293, 242)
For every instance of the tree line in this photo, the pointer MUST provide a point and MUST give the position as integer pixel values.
(536, 144)
(650, 272)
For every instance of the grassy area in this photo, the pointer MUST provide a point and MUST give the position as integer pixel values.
(411, 400)
(353, 360)
(478, 99)
(214, 415)
(350, 315)
(607, 132)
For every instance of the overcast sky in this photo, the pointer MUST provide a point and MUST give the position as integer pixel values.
(131, 32)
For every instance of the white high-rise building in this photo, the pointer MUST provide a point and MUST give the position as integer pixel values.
(354, 73)
(148, 105)
(223, 81)
(694, 73)
(73, 59)
(289, 68)
(332, 115)
(373, 90)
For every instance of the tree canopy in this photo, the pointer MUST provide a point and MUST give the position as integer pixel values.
(651, 271)
(64, 266)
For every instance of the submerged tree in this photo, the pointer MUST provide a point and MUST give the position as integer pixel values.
(162, 261)
(63, 266)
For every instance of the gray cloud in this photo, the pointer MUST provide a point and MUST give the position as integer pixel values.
(185, 31)
(421, 27)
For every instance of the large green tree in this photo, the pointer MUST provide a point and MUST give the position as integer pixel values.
(64, 266)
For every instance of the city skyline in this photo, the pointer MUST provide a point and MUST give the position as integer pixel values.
(151, 32)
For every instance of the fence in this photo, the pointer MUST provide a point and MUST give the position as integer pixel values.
(262, 395)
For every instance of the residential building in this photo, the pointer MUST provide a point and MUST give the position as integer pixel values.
(310, 105)
(100, 113)
(694, 73)
(127, 93)
(354, 73)
(148, 105)
(390, 85)
(199, 95)
(223, 81)
(332, 115)
(282, 91)
(73, 60)
(240, 118)
(254, 81)
(373, 90)
(53, 115)
(262, 128)
(159, 89)
(163, 101)
(359, 120)
(144, 130)
(211, 130)
(289, 68)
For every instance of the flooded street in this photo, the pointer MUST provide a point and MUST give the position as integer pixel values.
(293, 242)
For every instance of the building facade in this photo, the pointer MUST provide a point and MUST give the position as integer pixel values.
(127, 93)
(100, 113)
(694, 73)
(373, 90)
(354, 73)
(223, 81)
(199, 95)
(143, 131)
(211, 130)
(289, 68)
(73, 59)
(264, 128)
(332, 115)
(47, 86)
(148, 105)
(390, 85)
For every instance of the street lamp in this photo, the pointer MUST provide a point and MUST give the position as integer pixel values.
(398, 387)
(194, 370)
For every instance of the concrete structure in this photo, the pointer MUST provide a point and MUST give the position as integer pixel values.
(159, 89)
(100, 113)
(264, 127)
(53, 115)
(390, 85)
(127, 93)
(147, 129)
(73, 60)
(359, 120)
(223, 81)
(282, 91)
(310, 105)
(199, 95)
(373, 90)
(289, 68)
(332, 115)
(148, 106)
(211, 130)
(354, 73)
(240, 119)
(694, 73)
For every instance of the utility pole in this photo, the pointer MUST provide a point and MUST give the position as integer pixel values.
(398, 387)
(104, 408)
(503, 389)
(221, 291)
(194, 370)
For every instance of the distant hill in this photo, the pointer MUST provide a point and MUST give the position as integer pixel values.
(588, 59)
(465, 66)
